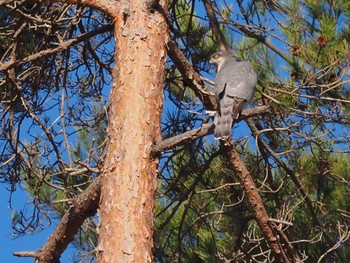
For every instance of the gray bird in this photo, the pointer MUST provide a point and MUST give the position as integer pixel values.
(235, 83)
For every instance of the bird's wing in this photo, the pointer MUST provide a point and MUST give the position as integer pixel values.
(236, 79)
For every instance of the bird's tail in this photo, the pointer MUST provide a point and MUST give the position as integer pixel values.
(229, 109)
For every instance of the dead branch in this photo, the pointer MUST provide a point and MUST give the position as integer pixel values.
(29, 254)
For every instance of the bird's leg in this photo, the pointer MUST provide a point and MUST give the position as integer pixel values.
(210, 113)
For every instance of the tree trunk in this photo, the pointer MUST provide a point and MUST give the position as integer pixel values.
(129, 176)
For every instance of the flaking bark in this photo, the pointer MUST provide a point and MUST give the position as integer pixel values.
(129, 175)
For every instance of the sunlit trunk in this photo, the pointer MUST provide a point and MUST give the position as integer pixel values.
(130, 173)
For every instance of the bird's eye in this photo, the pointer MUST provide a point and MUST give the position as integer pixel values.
(216, 56)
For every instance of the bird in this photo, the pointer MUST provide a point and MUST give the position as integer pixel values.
(235, 84)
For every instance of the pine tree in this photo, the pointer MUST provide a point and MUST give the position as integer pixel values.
(277, 192)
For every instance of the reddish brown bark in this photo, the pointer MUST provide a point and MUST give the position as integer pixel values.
(130, 174)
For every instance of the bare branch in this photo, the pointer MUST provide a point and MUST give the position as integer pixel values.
(30, 254)
(106, 6)
(205, 129)
(83, 206)
(62, 46)
(259, 37)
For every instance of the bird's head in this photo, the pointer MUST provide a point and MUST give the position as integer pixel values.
(218, 58)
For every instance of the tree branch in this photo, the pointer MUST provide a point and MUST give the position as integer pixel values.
(83, 206)
(30, 254)
(105, 6)
(254, 198)
(205, 129)
(62, 46)
(216, 27)
(191, 77)
(259, 37)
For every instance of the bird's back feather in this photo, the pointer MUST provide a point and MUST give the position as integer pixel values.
(234, 86)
